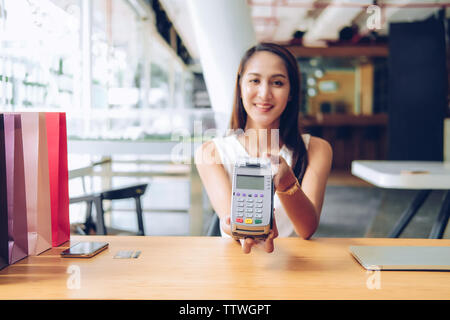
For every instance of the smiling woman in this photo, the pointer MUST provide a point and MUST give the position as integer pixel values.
(264, 95)
(267, 102)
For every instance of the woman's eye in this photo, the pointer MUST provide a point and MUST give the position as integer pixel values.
(254, 80)
(278, 83)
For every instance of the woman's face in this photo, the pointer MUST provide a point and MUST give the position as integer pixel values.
(265, 89)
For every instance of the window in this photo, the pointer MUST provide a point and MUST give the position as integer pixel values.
(103, 64)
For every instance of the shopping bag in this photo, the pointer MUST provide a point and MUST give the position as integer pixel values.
(15, 189)
(37, 184)
(3, 198)
(59, 176)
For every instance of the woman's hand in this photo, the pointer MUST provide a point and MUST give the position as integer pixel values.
(283, 176)
(248, 243)
(267, 243)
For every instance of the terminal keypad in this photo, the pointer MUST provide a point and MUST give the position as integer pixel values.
(249, 208)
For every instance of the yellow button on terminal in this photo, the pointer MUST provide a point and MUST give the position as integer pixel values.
(249, 221)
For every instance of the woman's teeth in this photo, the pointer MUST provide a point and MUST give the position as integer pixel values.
(263, 107)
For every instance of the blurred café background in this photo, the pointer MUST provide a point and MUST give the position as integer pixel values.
(144, 82)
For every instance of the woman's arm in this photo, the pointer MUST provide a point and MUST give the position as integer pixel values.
(215, 180)
(218, 187)
(303, 207)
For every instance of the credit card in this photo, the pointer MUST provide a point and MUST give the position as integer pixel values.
(123, 254)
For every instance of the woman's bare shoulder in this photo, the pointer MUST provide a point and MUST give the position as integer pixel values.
(319, 149)
(317, 142)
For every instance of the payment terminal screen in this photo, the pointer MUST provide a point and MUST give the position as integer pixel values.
(250, 182)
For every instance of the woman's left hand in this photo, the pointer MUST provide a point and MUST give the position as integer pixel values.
(283, 176)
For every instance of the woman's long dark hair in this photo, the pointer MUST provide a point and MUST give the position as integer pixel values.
(290, 132)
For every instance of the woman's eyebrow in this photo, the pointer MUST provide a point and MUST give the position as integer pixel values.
(279, 75)
(272, 76)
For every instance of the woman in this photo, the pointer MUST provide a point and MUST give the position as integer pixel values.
(266, 101)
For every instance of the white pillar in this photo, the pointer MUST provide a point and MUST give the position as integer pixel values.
(86, 27)
(144, 32)
(223, 30)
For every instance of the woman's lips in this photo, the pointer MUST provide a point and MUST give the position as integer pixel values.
(263, 107)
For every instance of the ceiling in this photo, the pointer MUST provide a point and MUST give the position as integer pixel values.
(321, 20)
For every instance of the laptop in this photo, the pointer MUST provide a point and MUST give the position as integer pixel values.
(402, 257)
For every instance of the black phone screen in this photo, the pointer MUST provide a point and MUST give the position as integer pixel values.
(85, 249)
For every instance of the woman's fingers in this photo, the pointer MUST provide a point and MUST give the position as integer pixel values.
(247, 245)
(274, 226)
(274, 162)
(268, 243)
(225, 224)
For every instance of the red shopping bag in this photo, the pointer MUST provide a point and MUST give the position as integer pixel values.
(35, 153)
(15, 189)
(3, 200)
(59, 176)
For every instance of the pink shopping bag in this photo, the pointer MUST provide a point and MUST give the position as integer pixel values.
(37, 183)
(59, 176)
(4, 260)
(15, 189)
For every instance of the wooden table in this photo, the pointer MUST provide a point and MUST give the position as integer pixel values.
(213, 268)
(424, 176)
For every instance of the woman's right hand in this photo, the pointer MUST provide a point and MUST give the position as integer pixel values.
(225, 224)
(248, 243)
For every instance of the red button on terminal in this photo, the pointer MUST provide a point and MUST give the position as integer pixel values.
(240, 220)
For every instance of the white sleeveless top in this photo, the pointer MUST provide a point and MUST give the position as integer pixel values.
(230, 149)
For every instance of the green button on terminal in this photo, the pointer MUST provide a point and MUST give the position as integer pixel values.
(258, 221)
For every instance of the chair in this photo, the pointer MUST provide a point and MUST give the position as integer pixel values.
(214, 227)
(96, 198)
(132, 192)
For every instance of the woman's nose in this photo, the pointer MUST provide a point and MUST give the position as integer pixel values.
(264, 91)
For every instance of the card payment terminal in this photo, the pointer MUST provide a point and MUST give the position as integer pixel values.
(252, 199)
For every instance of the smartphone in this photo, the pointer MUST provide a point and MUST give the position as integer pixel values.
(84, 249)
